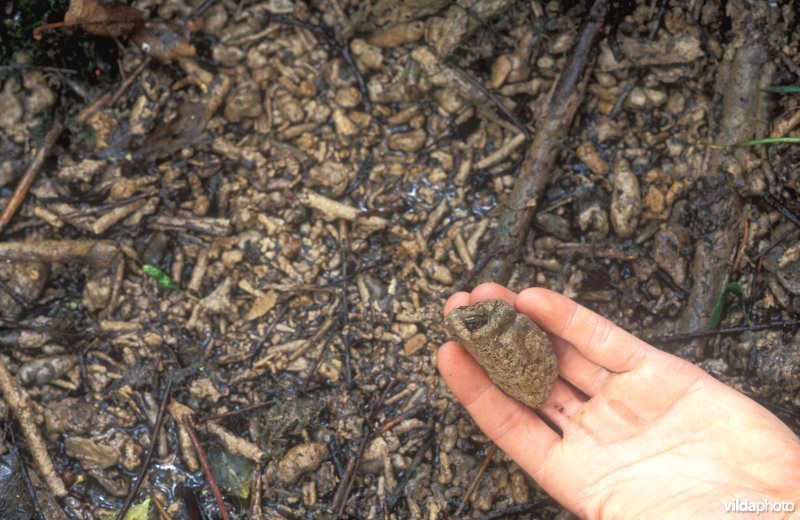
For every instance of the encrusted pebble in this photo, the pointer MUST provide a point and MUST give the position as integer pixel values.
(512, 349)
(333, 176)
(301, 459)
(347, 97)
(408, 141)
(626, 201)
(588, 154)
(243, 101)
(414, 344)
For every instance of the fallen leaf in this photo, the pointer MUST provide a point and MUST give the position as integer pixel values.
(111, 19)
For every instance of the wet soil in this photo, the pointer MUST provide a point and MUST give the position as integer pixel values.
(253, 240)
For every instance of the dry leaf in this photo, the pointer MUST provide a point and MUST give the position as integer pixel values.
(112, 19)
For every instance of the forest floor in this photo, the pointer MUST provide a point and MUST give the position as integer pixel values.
(238, 221)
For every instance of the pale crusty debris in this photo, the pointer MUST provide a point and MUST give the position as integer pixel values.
(513, 350)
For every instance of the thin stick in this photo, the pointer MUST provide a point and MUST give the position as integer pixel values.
(30, 175)
(245, 409)
(781, 208)
(724, 332)
(565, 98)
(127, 83)
(486, 460)
(346, 484)
(398, 490)
(21, 406)
(153, 440)
(414, 410)
(745, 236)
(201, 454)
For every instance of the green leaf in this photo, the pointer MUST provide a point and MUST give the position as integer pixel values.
(162, 278)
(720, 306)
(782, 89)
(140, 511)
(232, 472)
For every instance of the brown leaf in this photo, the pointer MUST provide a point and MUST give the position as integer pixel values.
(111, 19)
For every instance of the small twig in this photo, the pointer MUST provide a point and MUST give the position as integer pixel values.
(232, 413)
(127, 83)
(278, 317)
(153, 440)
(486, 461)
(346, 484)
(724, 332)
(414, 410)
(13, 294)
(781, 208)
(745, 236)
(21, 406)
(25, 66)
(409, 472)
(30, 175)
(493, 98)
(37, 508)
(201, 454)
(760, 264)
(344, 248)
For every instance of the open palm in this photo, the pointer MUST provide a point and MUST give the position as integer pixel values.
(643, 434)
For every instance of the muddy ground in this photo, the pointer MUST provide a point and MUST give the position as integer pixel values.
(239, 220)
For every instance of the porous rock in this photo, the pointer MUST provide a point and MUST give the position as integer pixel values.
(513, 350)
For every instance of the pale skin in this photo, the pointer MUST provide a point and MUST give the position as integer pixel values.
(643, 433)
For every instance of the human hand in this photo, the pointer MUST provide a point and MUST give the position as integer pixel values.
(643, 433)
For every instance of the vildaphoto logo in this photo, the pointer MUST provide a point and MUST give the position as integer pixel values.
(762, 506)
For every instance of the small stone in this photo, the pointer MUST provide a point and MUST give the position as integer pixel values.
(513, 350)
(301, 459)
(97, 292)
(90, 453)
(83, 171)
(291, 109)
(10, 107)
(333, 176)
(41, 371)
(232, 257)
(408, 141)
(626, 201)
(589, 155)
(307, 89)
(396, 35)
(637, 99)
(262, 305)
(654, 200)
(244, 101)
(437, 272)
(369, 55)
(348, 97)
(519, 488)
(344, 125)
(414, 344)
(227, 55)
(501, 68)
(555, 225)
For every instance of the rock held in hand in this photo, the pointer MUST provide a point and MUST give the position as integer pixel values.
(513, 350)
